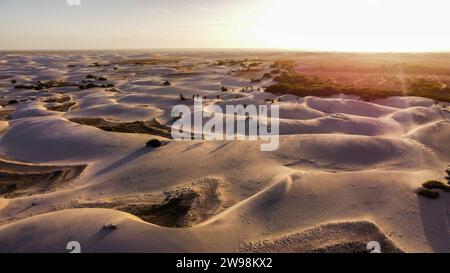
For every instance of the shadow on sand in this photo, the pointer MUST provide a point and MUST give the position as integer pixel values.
(435, 220)
(97, 237)
(220, 147)
(126, 159)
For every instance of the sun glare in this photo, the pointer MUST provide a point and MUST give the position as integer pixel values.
(353, 25)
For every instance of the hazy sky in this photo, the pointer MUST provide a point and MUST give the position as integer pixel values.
(349, 25)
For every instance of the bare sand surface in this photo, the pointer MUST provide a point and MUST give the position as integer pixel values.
(74, 160)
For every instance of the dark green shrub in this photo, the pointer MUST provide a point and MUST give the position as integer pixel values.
(267, 76)
(91, 85)
(110, 226)
(433, 185)
(154, 143)
(430, 194)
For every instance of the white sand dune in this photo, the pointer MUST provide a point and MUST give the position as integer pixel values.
(341, 123)
(29, 139)
(345, 173)
(348, 106)
(435, 136)
(32, 111)
(405, 102)
(331, 151)
(348, 197)
(415, 117)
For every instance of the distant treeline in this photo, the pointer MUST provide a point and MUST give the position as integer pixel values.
(305, 85)
(407, 69)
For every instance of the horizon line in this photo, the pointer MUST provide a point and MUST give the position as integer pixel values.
(229, 49)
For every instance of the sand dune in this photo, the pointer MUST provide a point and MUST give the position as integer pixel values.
(416, 117)
(180, 206)
(351, 237)
(345, 172)
(28, 139)
(348, 106)
(435, 136)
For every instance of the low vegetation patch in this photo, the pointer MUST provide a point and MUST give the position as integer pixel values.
(150, 61)
(110, 226)
(84, 84)
(41, 85)
(154, 143)
(242, 63)
(19, 179)
(430, 194)
(152, 127)
(64, 107)
(303, 83)
(435, 185)
(430, 188)
(58, 100)
(95, 85)
(181, 206)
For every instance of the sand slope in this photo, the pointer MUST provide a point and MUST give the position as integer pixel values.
(345, 172)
